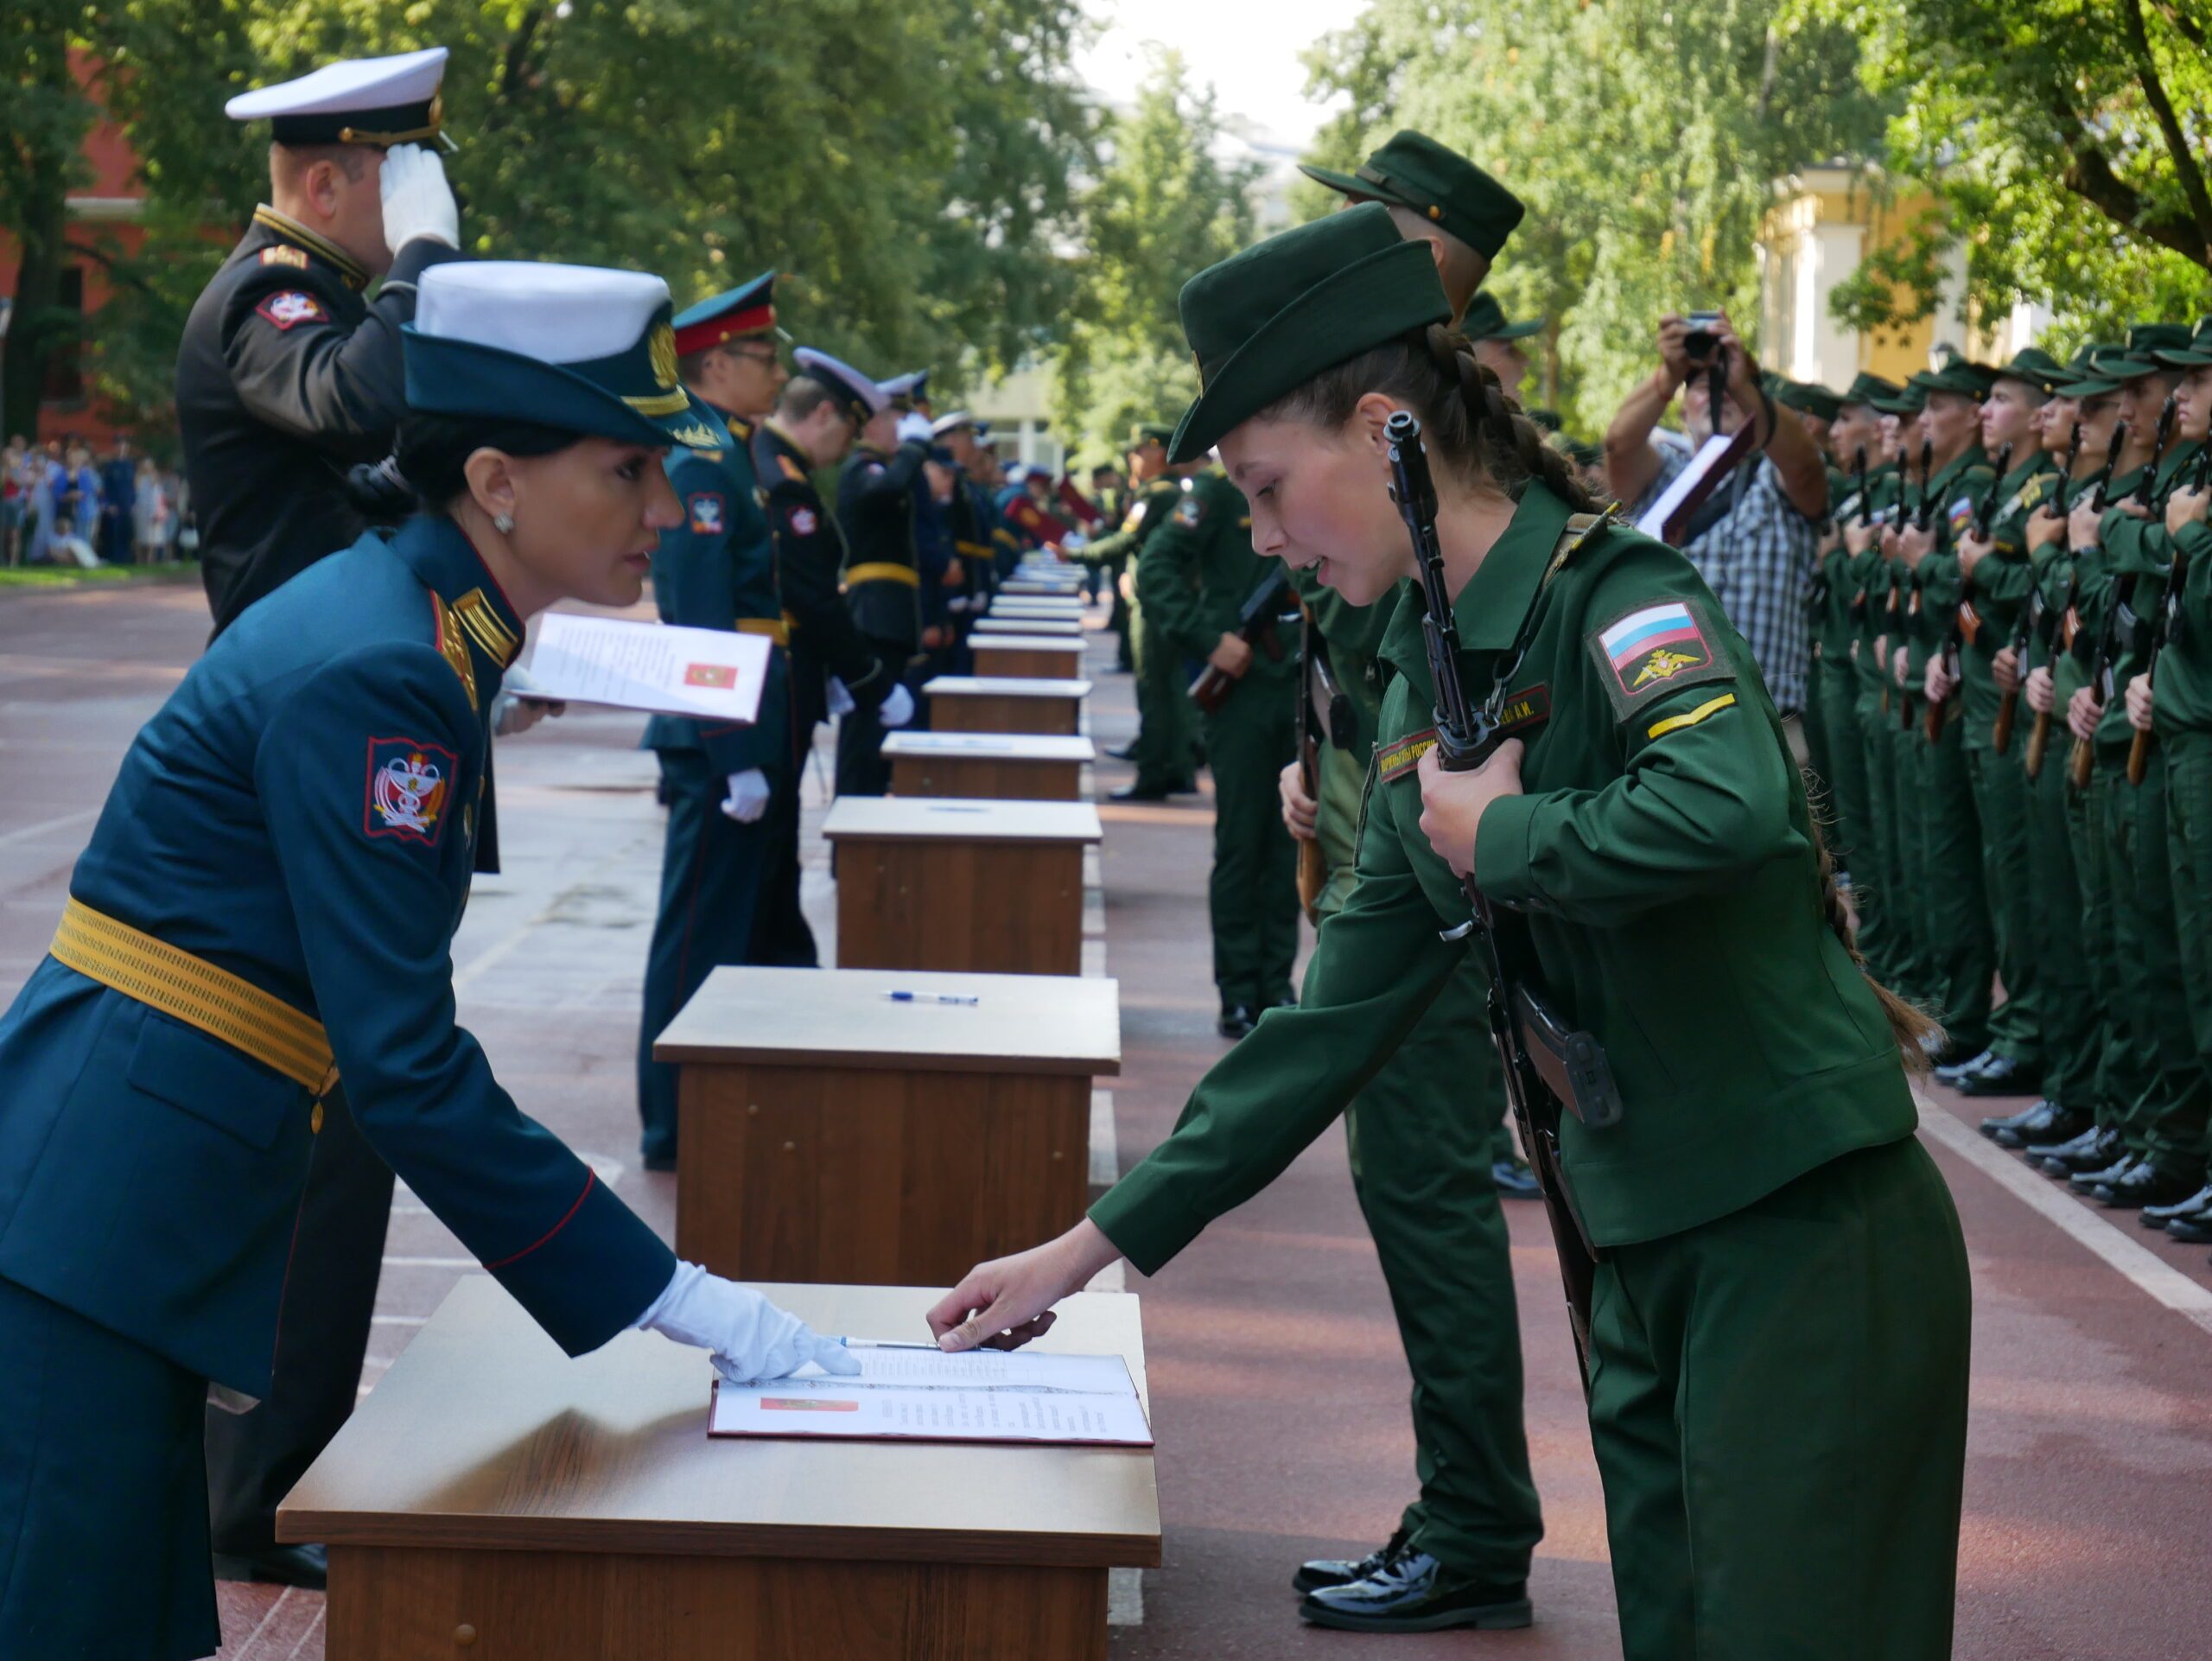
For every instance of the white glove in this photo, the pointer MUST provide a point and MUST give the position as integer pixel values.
(914, 428)
(516, 711)
(898, 709)
(958, 604)
(841, 701)
(1075, 541)
(418, 201)
(749, 796)
(747, 1337)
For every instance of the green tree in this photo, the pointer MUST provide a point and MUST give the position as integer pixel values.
(44, 115)
(2066, 140)
(1644, 135)
(1164, 205)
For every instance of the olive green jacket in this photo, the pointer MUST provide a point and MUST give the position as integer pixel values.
(1662, 856)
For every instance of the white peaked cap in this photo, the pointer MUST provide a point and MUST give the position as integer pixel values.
(898, 386)
(344, 87)
(878, 399)
(946, 424)
(556, 313)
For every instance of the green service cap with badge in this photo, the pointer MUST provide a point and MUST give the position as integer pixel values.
(1264, 323)
(1957, 376)
(1486, 321)
(1810, 399)
(2035, 367)
(2088, 375)
(2146, 341)
(578, 348)
(1413, 170)
(1870, 390)
(2193, 354)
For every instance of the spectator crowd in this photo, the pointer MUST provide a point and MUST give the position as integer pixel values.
(60, 506)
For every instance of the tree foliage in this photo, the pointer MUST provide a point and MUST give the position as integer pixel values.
(1644, 135)
(1164, 205)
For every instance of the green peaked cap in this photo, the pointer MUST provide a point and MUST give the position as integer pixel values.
(2036, 368)
(1413, 170)
(1150, 432)
(1816, 401)
(1968, 379)
(2089, 374)
(2192, 354)
(1487, 322)
(1870, 390)
(1263, 323)
(2145, 342)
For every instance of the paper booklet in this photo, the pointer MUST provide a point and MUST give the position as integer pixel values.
(713, 673)
(924, 1395)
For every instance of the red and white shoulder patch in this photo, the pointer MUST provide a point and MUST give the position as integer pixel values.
(408, 789)
(291, 307)
(802, 521)
(706, 509)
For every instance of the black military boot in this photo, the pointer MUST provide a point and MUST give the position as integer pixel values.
(2187, 1209)
(2002, 1076)
(1318, 1572)
(2144, 1184)
(2094, 1149)
(2082, 1182)
(2045, 1122)
(2196, 1229)
(1413, 1593)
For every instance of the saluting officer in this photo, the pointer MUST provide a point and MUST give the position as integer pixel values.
(716, 569)
(1781, 1263)
(268, 903)
(287, 375)
(883, 574)
(834, 668)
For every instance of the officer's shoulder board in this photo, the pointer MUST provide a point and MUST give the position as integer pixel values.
(283, 253)
(792, 471)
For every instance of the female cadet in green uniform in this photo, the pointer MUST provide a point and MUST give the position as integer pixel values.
(1778, 1359)
(268, 904)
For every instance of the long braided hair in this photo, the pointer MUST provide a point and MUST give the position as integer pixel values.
(1475, 432)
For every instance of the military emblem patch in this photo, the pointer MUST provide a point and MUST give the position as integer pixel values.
(1655, 646)
(291, 307)
(1962, 514)
(1529, 707)
(706, 511)
(802, 521)
(409, 783)
(1189, 511)
(283, 253)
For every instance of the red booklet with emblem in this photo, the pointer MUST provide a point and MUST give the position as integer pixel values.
(711, 673)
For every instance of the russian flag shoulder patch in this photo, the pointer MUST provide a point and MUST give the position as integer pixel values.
(1658, 645)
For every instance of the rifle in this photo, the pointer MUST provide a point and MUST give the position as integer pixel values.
(2083, 759)
(1255, 627)
(2008, 706)
(2039, 736)
(1858, 474)
(1927, 509)
(1315, 684)
(1549, 1067)
(1955, 637)
(2170, 625)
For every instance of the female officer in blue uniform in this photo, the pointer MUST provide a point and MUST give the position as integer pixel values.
(268, 905)
(1777, 1345)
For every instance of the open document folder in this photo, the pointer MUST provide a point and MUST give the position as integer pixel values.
(713, 673)
(923, 1394)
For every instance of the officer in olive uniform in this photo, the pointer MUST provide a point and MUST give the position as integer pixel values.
(1193, 577)
(883, 574)
(715, 570)
(268, 903)
(1781, 1263)
(285, 374)
(1162, 747)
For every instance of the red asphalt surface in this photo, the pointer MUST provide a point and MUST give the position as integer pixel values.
(1278, 1388)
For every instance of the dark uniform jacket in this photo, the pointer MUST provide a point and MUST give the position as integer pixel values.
(717, 570)
(300, 813)
(1197, 570)
(824, 641)
(284, 378)
(875, 511)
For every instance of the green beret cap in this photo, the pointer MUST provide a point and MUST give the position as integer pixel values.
(1151, 432)
(1870, 390)
(1413, 170)
(1968, 379)
(1263, 323)
(2036, 368)
(1816, 401)
(1487, 322)
(2195, 352)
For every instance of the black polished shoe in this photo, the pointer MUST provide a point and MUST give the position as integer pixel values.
(2192, 1230)
(2144, 1184)
(1318, 1572)
(1413, 1594)
(2002, 1076)
(2045, 1123)
(1235, 1022)
(2185, 1209)
(1140, 791)
(658, 1161)
(1123, 752)
(2082, 1182)
(307, 1567)
(2094, 1149)
(1514, 1180)
(2082, 1121)
(1958, 1070)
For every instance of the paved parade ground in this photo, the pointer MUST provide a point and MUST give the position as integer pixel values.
(1278, 1388)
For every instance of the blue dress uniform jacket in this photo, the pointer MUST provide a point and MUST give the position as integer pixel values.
(717, 570)
(300, 813)
(825, 640)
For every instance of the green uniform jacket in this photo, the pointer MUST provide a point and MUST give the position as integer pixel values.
(1959, 488)
(2184, 680)
(1147, 514)
(1998, 591)
(1871, 579)
(1197, 569)
(1664, 857)
(2140, 552)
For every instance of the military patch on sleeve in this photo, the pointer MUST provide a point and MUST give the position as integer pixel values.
(1962, 514)
(410, 784)
(1529, 707)
(1704, 712)
(1659, 645)
(802, 521)
(1134, 517)
(1189, 511)
(706, 511)
(292, 308)
(1394, 760)
(283, 253)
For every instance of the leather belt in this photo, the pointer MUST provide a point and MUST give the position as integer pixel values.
(882, 571)
(196, 992)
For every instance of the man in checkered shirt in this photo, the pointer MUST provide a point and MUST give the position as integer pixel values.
(1755, 539)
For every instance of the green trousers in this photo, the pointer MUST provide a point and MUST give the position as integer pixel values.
(2074, 1017)
(1921, 975)
(1778, 1405)
(1166, 717)
(1884, 929)
(1962, 946)
(2120, 1077)
(2186, 758)
(2165, 1115)
(2000, 794)
(1843, 771)
(1253, 894)
(1421, 1136)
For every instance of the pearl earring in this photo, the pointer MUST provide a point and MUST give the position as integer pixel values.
(503, 523)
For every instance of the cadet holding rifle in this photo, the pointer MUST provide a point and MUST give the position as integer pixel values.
(1776, 1257)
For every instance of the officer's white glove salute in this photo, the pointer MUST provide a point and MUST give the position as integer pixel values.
(898, 709)
(914, 428)
(418, 201)
(749, 796)
(747, 1337)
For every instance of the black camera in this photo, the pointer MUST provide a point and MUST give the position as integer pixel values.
(1700, 340)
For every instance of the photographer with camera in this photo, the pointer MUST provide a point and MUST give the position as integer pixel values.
(1755, 536)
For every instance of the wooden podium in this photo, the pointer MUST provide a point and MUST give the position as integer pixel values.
(1004, 767)
(1014, 587)
(996, 888)
(1027, 657)
(493, 1500)
(970, 703)
(830, 1132)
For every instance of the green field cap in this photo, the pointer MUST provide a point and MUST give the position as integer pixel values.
(1265, 322)
(1968, 379)
(1910, 400)
(1413, 170)
(2193, 352)
(1486, 321)
(1870, 390)
(1816, 401)
(2036, 368)
(1151, 432)
(2088, 375)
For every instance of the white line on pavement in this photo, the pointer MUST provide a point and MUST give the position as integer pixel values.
(2150, 1273)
